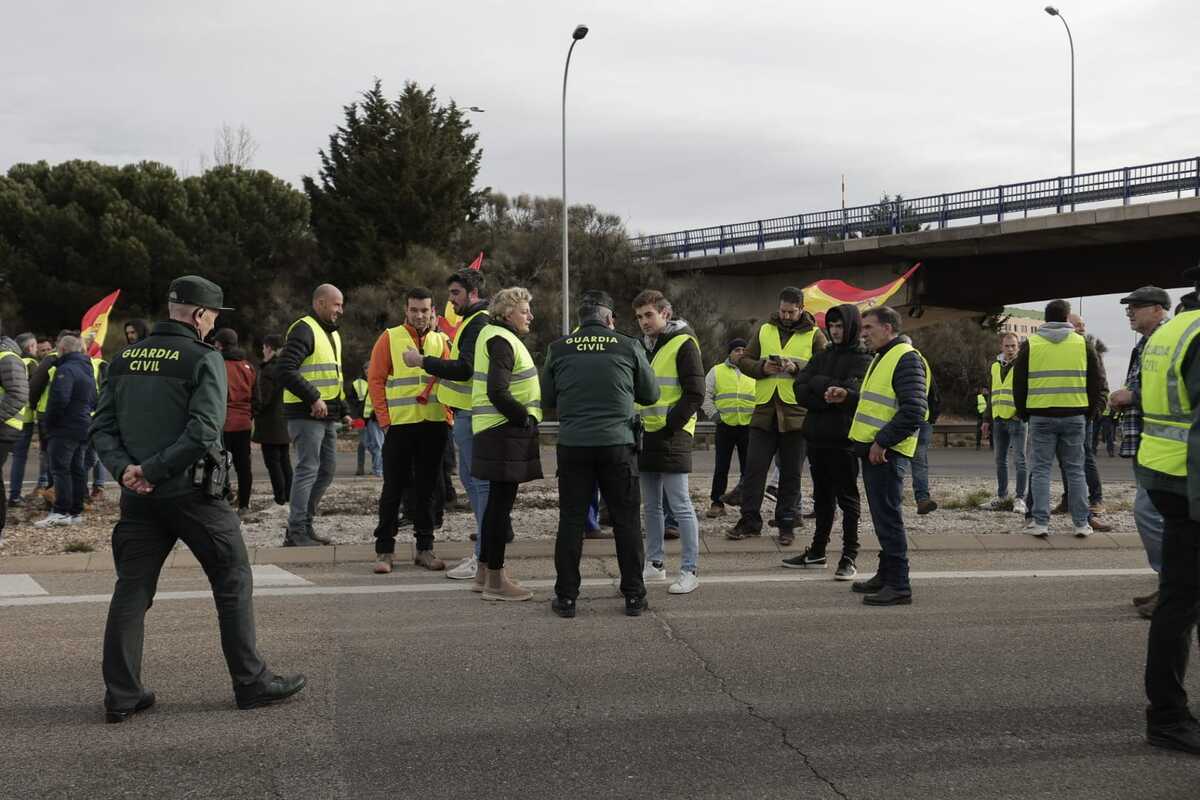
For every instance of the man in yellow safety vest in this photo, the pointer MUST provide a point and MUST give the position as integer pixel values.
(14, 400)
(1003, 427)
(729, 401)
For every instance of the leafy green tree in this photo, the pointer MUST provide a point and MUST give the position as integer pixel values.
(397, 173)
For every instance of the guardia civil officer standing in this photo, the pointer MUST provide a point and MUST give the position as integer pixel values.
(158, 430)
(594, 377)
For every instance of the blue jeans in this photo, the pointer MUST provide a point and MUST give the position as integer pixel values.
(315, 444)
(20, 454)
(920, 462)
(70, 476)
(1062, 436)
(370, 440)
(1150, 527)
(91, 463)
(1009, 434)
(675, 486)
(885, 486)
(477, 490)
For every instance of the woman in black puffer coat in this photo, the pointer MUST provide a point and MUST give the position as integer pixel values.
(831, 459)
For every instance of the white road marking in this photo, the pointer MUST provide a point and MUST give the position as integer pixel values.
(273, 575)
(18, 585)
(437, 587)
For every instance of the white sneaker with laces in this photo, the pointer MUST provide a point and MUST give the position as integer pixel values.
(1019, 506)
(995, 504)
(1034, 529)
(54, 519)
(463, 570)
(75, 519)
(1083, 531)
(688, 582)
(653, 573)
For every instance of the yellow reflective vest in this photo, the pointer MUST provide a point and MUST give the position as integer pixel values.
(799, 349)
(459, 394)
(363, 392)
(877, 401)
(524, 387)
(16, 420)
(27, 413)
(734, 395)
(666, 371)
(1003, 405)
(323, 366)
(406, 385)
(1057, 372)
(1166, 407)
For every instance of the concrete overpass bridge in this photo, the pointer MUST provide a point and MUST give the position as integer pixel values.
(981, 250)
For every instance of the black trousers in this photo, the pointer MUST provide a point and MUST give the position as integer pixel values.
(835, 480)
(1177, 613)
(763, 446)
(412, 457)
(5, 449)
(497, 522)
(278, 459)
(614, 469)
(238, 445)
(142, 540)
(729, 438)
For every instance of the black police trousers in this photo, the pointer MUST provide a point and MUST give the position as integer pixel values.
(614, 469)
(412, 460)
(1173, 626)
(142, 540)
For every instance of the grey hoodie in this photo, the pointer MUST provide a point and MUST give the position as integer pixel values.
(15, 380)
(1097, 384)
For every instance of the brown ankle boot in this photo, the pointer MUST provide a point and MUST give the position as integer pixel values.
(480, 581)
(499, 587)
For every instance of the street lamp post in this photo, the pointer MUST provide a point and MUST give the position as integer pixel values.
(1054, 12)
(580, 32)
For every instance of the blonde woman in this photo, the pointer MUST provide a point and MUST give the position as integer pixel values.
(506, 407)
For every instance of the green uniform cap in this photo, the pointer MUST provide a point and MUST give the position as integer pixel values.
(192, 290)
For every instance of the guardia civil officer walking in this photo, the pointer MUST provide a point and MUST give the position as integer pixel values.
(158, 430)
(594, 377)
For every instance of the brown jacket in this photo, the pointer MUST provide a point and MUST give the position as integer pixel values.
(778, 415)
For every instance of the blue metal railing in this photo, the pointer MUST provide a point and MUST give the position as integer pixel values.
(881, 219)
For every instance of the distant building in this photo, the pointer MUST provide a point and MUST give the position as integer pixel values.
(1022, 322)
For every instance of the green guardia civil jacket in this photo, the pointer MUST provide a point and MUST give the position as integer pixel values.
(163, 407)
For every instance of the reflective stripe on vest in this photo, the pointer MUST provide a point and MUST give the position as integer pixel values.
(364, 393)
(457, 394)
(323, 367)
(1166, 408)
(877, 402)
(27, 411)
(734, 395)
(666, 372)
(16, 420)
(524, 385)
(799, 349)
(1057, 372)
(407, 385)
(1003, 405)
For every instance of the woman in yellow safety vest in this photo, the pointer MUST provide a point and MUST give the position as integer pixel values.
(506, 406)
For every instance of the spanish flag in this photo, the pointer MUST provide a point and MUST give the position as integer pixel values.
(94, 325)
(821, 296)
(448, 323)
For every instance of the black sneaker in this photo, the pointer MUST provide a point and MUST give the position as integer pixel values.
(563, 606)
(806, 559)
(16, 502)
(634, 606)
(773, 493)
(845, 570)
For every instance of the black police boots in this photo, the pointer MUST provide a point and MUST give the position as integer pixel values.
(279, 688)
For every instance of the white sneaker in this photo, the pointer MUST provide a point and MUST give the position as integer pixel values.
(653, 573)
(1019, 506)
(688, 582)
(53, 520)
(995, 504)
(1033, 529)
(463, 570)
(75, 519)
(1083, 531)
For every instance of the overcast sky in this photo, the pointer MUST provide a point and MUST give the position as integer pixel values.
(680, 114)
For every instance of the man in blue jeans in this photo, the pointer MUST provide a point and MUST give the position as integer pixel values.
(1057, 378)
(892, 402)
(1006, 428)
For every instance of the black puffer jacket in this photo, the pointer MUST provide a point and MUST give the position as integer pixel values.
(670, 450)
(841, 365)
(908, 382)
(270, 425)
(509, 453)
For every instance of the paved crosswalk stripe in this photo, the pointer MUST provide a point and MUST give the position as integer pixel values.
(273, 575)
(19, 586)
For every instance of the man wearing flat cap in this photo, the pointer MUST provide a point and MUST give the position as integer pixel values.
(1147, 309)
(158, 430)
(594, 377)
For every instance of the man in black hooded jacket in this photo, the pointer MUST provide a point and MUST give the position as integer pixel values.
(831, 458)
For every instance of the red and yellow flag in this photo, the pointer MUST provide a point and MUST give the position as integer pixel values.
(94, 324)
(821, 296)
(448, 322)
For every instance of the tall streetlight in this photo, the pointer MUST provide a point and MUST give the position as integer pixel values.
(1054, 12)
(580, 32)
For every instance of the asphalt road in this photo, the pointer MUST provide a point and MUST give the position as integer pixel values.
(763, 683)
